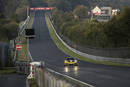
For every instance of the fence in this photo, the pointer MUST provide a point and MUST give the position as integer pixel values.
(49, 78)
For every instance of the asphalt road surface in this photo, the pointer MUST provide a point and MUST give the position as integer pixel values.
(12, 80)
(43, 48)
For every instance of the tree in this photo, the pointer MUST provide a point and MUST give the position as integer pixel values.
(117, 29)
(11, 30)
(21, 13)
(64, 5)
(14, 17)
(2, 16)
(81, 12)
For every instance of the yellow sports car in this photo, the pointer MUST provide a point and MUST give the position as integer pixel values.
(70, 61)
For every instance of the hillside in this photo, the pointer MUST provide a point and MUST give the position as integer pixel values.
(81, 30)
(71, 4)
(10, 7)
(11, 13)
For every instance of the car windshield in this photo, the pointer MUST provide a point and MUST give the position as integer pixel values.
(70, 59)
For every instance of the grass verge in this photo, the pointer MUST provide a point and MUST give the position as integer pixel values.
(71, 53)
(7, 71)
(33, 83)
(22, 55)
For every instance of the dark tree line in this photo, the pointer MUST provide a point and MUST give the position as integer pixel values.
(69, 5)
(11, 13)
(9, 7)
(8, 28)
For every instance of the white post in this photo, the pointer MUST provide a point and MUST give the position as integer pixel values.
(27, 11)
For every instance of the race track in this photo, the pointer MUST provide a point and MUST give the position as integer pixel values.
(42, 48)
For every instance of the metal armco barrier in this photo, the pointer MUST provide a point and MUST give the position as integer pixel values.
(49, 78)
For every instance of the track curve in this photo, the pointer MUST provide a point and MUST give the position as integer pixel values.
(42, 48)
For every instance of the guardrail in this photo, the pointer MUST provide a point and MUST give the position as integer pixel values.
(94, 57)
(48, 78)
(45, 77)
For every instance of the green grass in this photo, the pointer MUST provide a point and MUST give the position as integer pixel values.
(23, 53)
(33, 83)
(69, 52)
(7, 71)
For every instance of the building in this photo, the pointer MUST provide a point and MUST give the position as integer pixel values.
(96, 11)
(102, 14)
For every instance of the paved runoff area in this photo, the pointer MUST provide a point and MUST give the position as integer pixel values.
(12, 80)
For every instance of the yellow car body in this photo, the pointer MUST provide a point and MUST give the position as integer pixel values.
(70, 61)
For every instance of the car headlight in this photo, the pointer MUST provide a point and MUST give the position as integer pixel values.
(76, 61)
(65, 61)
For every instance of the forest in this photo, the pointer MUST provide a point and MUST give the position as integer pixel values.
(69, 5)
(79, 28)
(11, 13)
(71, 20)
